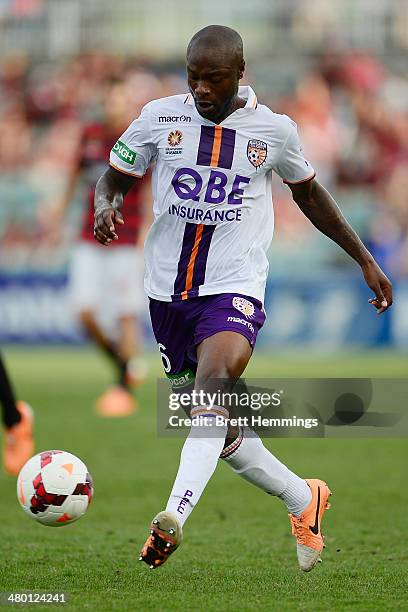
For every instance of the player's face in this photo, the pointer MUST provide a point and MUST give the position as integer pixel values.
(213, 80)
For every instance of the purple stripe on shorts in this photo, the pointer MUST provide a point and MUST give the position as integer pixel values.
(202, 255)
(227, 148)
(187, 247)
(206, 145)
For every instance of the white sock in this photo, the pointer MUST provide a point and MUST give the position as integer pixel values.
(198, 460)
(249, 458)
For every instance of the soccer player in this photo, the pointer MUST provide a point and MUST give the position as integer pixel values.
(206, 265)
(112, 279)
(17, 418)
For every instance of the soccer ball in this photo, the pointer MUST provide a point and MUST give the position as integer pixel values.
(54, 488)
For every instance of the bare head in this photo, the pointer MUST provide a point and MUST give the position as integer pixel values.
(215, 65)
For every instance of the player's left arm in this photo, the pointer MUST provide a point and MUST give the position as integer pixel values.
(320, 208)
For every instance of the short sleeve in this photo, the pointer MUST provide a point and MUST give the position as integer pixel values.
(134, 150)
(291, 165)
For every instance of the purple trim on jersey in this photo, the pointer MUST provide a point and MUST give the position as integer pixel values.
(188, 243)
(201, 259)
(227, 148)
(205, 147)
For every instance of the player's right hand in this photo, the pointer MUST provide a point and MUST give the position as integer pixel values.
(104, 224)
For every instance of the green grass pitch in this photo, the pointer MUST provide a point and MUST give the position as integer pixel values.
(238, 553)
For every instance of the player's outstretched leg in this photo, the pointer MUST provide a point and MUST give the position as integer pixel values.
(251, 460)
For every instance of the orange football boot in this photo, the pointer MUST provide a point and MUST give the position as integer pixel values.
(116, 402)
(165, 537)
(18, 441)
(306, 527)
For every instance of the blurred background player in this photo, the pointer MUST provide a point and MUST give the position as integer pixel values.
(106, 286)
(17, 417)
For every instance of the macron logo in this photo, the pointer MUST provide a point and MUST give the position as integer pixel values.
(174, 118)
(242, 321)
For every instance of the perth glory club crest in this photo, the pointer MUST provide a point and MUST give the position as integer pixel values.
(257, 151)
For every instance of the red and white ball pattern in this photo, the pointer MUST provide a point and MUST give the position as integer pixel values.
(54, 488)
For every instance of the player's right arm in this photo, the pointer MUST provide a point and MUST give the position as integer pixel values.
(129, 160)
(109, 193)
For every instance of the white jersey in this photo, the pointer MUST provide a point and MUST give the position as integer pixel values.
(212, 188)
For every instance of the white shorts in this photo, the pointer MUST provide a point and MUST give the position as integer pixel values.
(108, 281)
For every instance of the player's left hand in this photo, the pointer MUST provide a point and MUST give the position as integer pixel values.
(380, 284)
